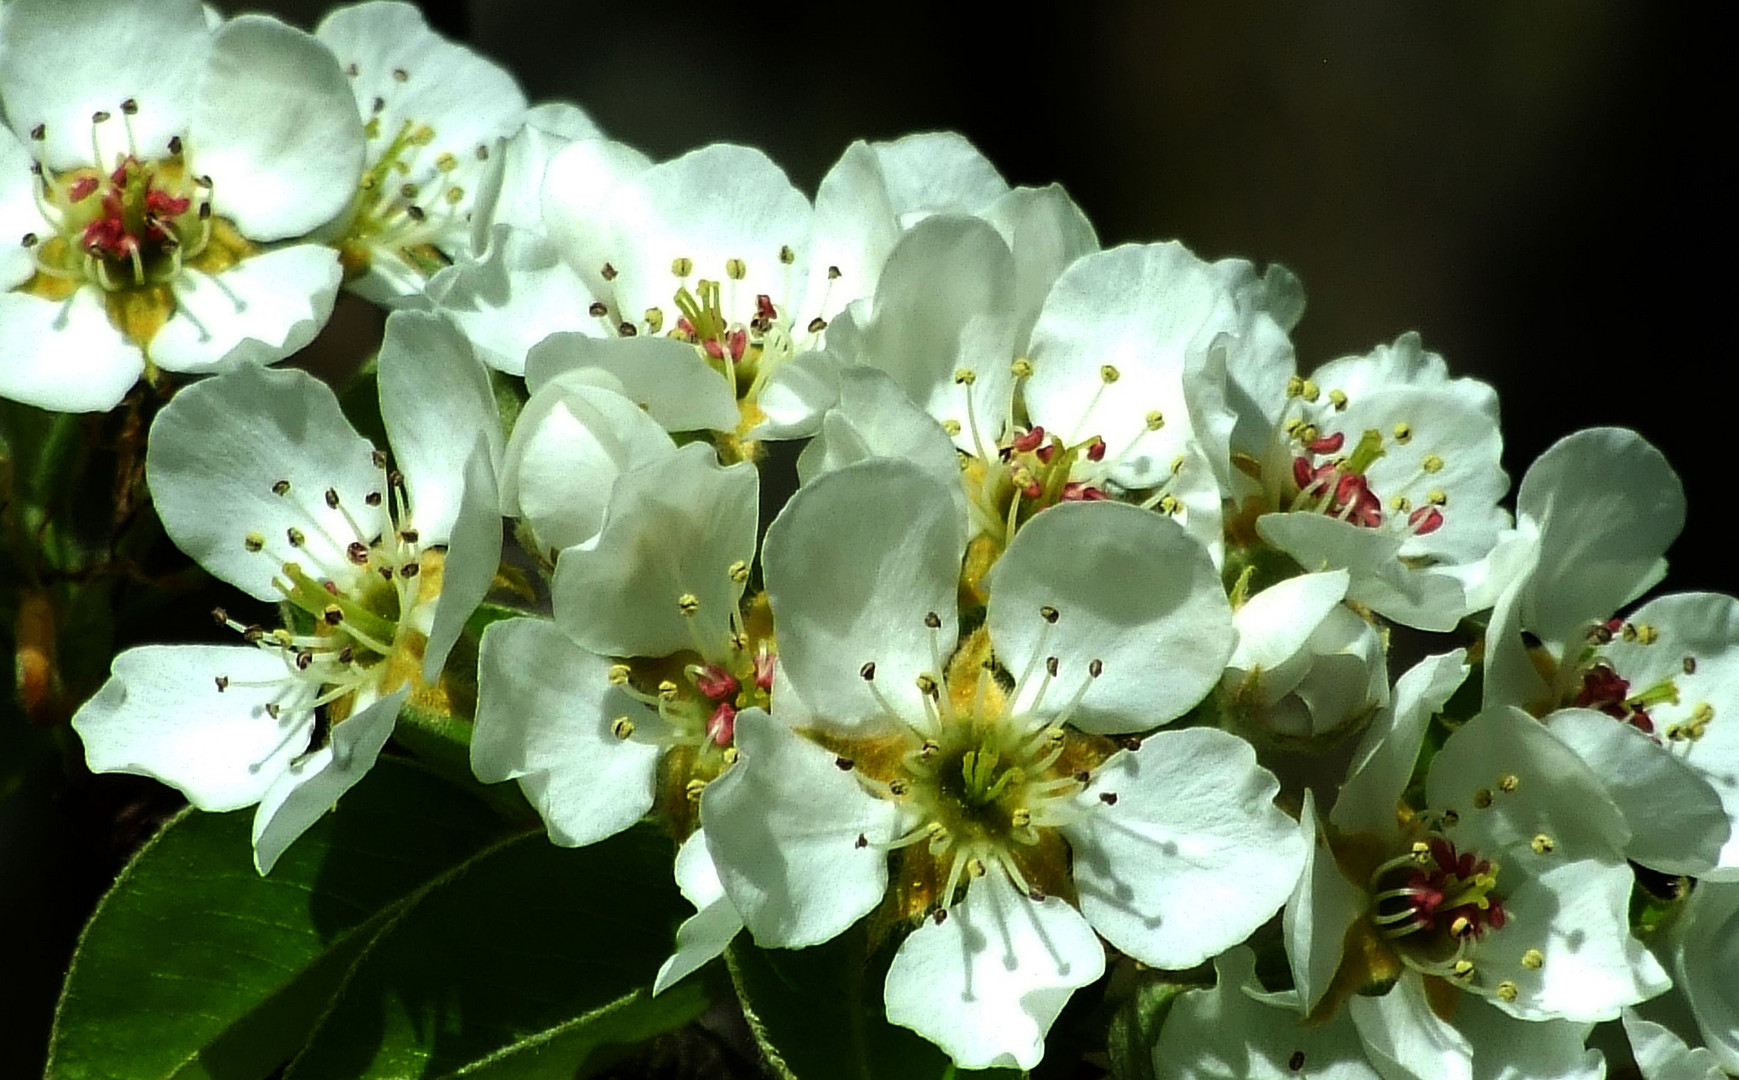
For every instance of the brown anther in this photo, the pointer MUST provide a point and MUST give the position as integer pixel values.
(303, 660)
(101, 116)
(843, 764)
(346, 655)
(786, 255)
(37, 132)
(817, 325)
(332, 498)
(1049, 614)
(862, 841)
(30, 239)
(868, 671)
(220, 616)
(1095, 667)
(372, 498)
(332, 614)
(1296, 1061)
(400, 75)
(175, 145)
(608, 273)
(1109, 798)
(222, 683)
(295, 536)
(409, 536)
(1129, 743)
(898, 788)
(933, 620)
(415, 213)
(357, 553)
(282, 487)
(597, 309)
(273, 709)
(939, 916)
(1052, 664)
(1082, 776)
(1482, 798)
(410, 570)
(1690, 665)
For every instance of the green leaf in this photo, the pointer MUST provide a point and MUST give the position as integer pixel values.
(1136, 1023)
(530, 938)
(195, 966)
(573, 1048)
(817, 1014)
(359, 398)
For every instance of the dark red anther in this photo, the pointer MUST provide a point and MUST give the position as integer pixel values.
(107, 236)
(1078, 491)
(1049, 450)
(685, 326)
(764, 670)
(1604, 689)
(81, 189)
(716, 683)
(1028, 441)
(764, 308)
(1303, 474)
(739, 343)
(713, 348)
(1096, 449)
(1355, 491)
(162, 204)
(1328, 444)
(1642, 721)
(721, 727)
(1426, 519)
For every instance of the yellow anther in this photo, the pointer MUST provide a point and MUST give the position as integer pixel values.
(619, 674)
(1533, 959)
(1461, 926)
(1646, 634)
(735, 269)
(1293, 426)
(965, 376)
(667, 690)
(952, 427)
(1482, 798)
(739, 571)
(1437, 497)
(1508, 782)
(1309, 391)
(786, 255)
(1432, 463)
(1294, 386)
(688, 603)
(1507, 990)
(1543, 844)
(253, 541)
(1020, 818)
(446, 162)
(1463, 969)
(1022, 368)
(1309, 433)
(1337, 398)
(1170, 506)
(454, 195)
(695, 789)
(654, 320)
(1155, 420)
(1109, 373)
(681, 267)
(622, 728)
(1421, 851)
(1401, 504)
(1403, 432)
(926, 684)
(975, 866)
(731, 755)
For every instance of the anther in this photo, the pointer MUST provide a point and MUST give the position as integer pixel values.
(1082, 776)
(786, 255)
(975, 867)
(622, 728)
(965, 376)
(1155, 420)
(694, 790)
(608, 273)
(597, 309)
(929, 749)
(446, 162)
(1437, 497)
(282, 487)
(833, 273)
(933, 620)
(688, 603)
(1403, 433)
(619, 674)
(817, 325)
(1095, 667)
(1533, 959)
(862, 841)
(410, 570)
(1432, 463)
(416, 213)
(1508, 782)
(379, 458)
(739, 571)
(410, 191)
(1109, 798)
(843, 764)
(1482, 798)
(1463, 969)
(332, 614)
(1022, 368)
(409, 536)
(731, 755)
(482, 152)
(1052, 664)
(37, 133)
(654, 320)
(682, 267)
(295, 536)
(222, 683)
(1296, 1061)
(1461, 926)
(667, 690)
(30, 239)
(1049, 614)
(1020, 817)
(1338, 398)
(1690, 665)
(627, 329)
(303, 660)
(898, 788)
(1542, 844)
(273, 709)
(1309, 391)
(926, 685)
(400, 75)
(735, 269)
(357, 553)
(868, 671)
(101, 116)
(175, 145)
(1451, 818)
(332, 498)
(1109, 374)
(1507, 991)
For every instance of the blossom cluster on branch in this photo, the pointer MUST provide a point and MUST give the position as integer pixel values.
(1098, 630)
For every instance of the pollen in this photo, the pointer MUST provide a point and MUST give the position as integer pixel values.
(1533, 959)
(1543, 844)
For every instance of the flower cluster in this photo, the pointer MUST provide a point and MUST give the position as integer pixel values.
(1078, 643)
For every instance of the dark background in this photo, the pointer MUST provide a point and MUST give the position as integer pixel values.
(1534, 186)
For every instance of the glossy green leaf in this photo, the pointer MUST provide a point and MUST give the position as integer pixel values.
(818, 1015)
(529, 938)
(573, 1048)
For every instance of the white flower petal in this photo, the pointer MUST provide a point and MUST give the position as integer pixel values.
(276, 130)
(19, 215)
(1141, 311)
(1276, 624)
(1232, 1033)
(709, 206)
(262, 309)
(65, 357)
(570, 443)
(1607, 505)
(1661, 1055)
(795, 840)
(854, 563)
(61, 61)
(1708, 953)
(226, 442)
(936, 172)
(472, 561)
(1676, 820)
(1190, 854)
(511, 297)
(312, 783)
(707, 932)
(1421, 598)
(1705, 627)
(797, 395)
(436, 402)
(986, 983)
(545, 716)
(161, 714)
(511, 191)
(1510, 677)
(1324, 905)
(1505, 1048)
(666, 378)
(874, 418)
(1383, 763)
(1130, 589)
(674, 528)
(577, 185)
(1406, 1039)
(1047, 232)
